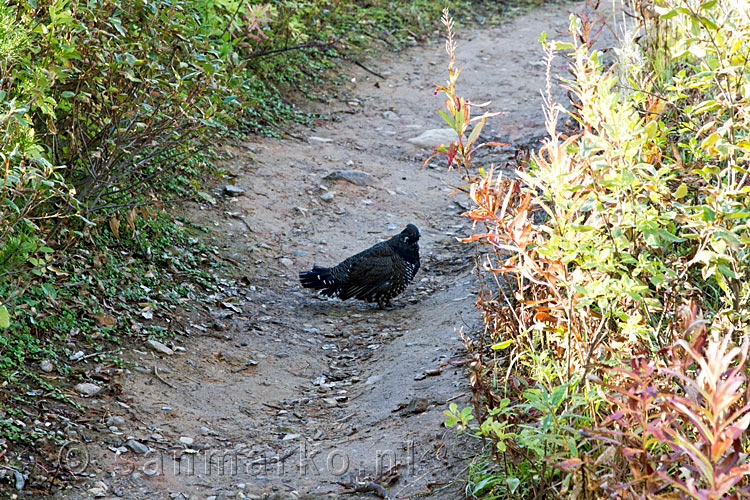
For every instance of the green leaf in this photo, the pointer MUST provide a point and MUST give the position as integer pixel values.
(727, 272)
(486, 484)
(651, 129)
(710, 140)
(513, 483)
(447, 119)
(674, 12)
(475, 133)
(4, 318)
(502, 345)
(681, 191)
(736, 215)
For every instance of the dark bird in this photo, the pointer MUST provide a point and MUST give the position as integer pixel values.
(377, 274)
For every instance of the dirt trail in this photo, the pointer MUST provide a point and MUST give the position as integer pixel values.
(292, 393)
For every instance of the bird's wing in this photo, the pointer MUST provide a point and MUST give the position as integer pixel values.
(368, 272)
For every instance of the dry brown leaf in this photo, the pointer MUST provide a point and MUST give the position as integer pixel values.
(130, 218)
(104, 320)
(114, 225)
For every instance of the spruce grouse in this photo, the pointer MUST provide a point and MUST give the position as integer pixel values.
(377, 274)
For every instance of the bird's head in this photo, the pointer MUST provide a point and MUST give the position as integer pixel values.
(411, 234)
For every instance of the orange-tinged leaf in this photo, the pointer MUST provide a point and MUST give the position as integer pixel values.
(631, 452)
(452, 150)
(475, 237)
(543, 317)
(525, 237)
(569, 464)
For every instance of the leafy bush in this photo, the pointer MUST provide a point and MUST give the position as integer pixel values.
(600, 244)
(31, 189)
(137, 86)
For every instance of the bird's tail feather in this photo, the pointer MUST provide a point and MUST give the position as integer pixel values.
(320, 278)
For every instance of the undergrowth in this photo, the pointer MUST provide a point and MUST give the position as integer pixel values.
(615, 296)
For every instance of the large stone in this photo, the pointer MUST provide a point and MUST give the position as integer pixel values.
(434, 137)
(159, 347)
(416, 405)
(356, 177)
(232, 190)
(88, 389)
(137, 447)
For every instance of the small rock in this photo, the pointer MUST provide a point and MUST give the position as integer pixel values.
(327, 196)
(187, 441)
(288, 437)
(432, 372)
(47, 366)
(319, 139)
(88, 389)
(137, 447)
(286, 262)
(434, 137)
(416, 405)
(373, 380)
(356, 177)
(76, 356)
(390, 115)
(97, 492)
(231, 190)
(116, 420)
(219, 325)
(20, 480)
(159, 347)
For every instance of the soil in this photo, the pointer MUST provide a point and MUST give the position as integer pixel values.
(275, 391)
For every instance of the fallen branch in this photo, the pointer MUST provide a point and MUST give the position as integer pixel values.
(300, 46)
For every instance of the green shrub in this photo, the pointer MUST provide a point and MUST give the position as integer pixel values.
(625, 247)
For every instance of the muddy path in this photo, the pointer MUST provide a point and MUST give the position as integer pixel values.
(275, 390)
